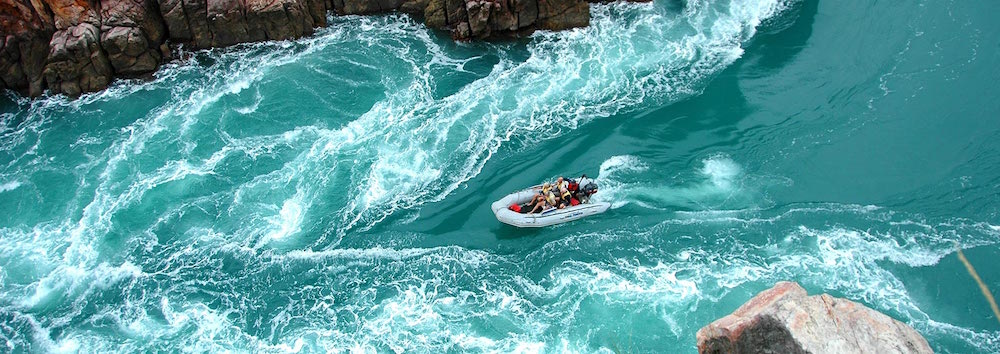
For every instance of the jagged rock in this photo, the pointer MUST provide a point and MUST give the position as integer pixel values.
(70, 13)
(175, 20)
(363, 7)
(557, 15)
(75, 46)
(414, 7)
(479, 19)
(218, 23)
(228, 25)
(503, 18)
(434, 14)
(358, 7)
(279, 19)
(76, 63)
(479, 13)
(527, 12)
(784, 319)
(24, 44)
(131, 35)
(129, 51)
(317, 10)
(187, 21)
(461, 32)
(455, 12)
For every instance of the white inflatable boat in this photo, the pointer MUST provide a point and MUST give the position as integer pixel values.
(547, 218)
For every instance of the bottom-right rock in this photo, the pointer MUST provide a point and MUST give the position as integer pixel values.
(785, 319)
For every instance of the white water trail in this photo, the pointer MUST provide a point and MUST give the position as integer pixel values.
(718, 184)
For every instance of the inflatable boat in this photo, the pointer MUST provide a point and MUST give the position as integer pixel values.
(507, 215)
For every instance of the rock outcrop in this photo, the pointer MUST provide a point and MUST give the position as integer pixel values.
(76, 46)
(25, 30)
(478, 19)
(784, 319)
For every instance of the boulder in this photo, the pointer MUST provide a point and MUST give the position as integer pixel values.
(76, 46)
(279, 19)
(503, 18)
(227, 23)
(455, 12)
(526, 12)
(76, 63)
(557, 15)
(25, 30)
(175, 19)
(414, 7)
(434, 14)
(784, 319)
(70, 13)
(479, 14)
(481, 19)
(132, 32)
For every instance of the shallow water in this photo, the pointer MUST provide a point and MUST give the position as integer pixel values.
(332, 192)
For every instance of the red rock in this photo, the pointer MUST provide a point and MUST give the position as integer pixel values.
(76, 46)
(784, 319)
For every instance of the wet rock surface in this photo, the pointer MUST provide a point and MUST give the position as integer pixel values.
(77, 46)
(784, 319)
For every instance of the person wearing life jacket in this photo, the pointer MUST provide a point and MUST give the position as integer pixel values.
(565, 198)
(542, 203)
(546, 188)
(539, 207)
(560, 183)
(573, 187)
(537, 199)
(551, 198)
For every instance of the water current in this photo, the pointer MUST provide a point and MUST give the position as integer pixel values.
(332, 192)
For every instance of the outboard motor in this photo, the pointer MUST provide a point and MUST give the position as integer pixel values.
(587, 188)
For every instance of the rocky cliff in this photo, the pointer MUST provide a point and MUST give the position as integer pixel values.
(784, 319)
(75, 46)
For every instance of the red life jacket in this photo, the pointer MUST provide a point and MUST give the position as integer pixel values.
(573, 186)
(574, 202)
(516, 208)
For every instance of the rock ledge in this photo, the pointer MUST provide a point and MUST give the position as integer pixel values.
(76, 46)
(784, 319)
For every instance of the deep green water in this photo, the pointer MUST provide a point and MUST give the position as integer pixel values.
(332, 193)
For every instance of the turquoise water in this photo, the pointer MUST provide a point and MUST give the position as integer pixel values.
(332, 192)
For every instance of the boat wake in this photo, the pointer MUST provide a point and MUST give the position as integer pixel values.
(719, 184)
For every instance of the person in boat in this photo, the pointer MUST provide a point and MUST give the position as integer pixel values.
(560, 183)
(551, 198)
(574, 188)
(545, 191)
(540, 199)
(542, 204)
(565, 198)
(539, 207)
